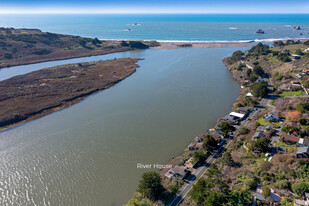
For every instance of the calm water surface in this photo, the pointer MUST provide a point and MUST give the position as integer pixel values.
(87, 154)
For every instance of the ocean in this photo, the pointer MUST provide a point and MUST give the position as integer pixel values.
(168, 27)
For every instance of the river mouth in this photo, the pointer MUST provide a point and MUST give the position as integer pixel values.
(88, 153)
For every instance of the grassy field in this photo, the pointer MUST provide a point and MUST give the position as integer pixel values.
(291, 93)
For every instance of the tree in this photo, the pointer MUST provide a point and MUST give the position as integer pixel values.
(300, 188)
(259, 49)
(124, 44)
(227, 159)
(260, 144)
(236, 56)
(303, 107)
(248, 72)
(306, 43)
(209, 142)
(199, 156)
(259, 89)
(303, 121)
(289, 129)
(293, 116)
(243, 130)
(150, 185)
(258, 70)
(253, 78)
(266, 191)
(226, 127)
(240, 197)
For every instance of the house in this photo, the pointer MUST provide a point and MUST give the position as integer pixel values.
(272, 117)
(258, 135)
(302, 202)
(231, 119)
(264, 128)
(192, 146)
(242, 110)
(291, 124)
(290, 138)
(199, 138)
(302, 152)
(179, 172)
(217, 136)
(285, 51)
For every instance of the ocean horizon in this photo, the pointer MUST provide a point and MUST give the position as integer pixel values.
(167, 27)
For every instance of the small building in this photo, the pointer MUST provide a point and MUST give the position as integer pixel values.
(264, 128)
(296, 83)
(295, 56)
(306, 71)
(302, 152)
(303, 141)
(285, 51)
(249, 94)
(236, 115)
(272, 117)
(290, 138)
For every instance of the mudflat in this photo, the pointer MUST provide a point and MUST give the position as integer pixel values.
(29, 96)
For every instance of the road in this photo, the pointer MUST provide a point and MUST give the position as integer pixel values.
(192, 179)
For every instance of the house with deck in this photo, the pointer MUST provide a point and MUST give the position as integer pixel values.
(302, 152)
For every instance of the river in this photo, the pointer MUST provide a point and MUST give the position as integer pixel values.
(87, 154)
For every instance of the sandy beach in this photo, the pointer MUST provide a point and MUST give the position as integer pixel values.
(201, 44)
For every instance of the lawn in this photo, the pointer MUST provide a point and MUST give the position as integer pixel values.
(291, 93)
(262, 121)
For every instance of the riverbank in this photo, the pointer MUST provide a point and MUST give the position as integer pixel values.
(271, 111)
(56, 88)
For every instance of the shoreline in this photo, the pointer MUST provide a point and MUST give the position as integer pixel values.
(71, 82)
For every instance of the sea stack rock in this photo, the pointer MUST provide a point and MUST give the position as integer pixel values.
(297, 27)
(260, 31)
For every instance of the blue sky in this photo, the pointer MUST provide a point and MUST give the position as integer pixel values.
(154, 6)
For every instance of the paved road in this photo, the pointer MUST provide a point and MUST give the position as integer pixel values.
(192, 180)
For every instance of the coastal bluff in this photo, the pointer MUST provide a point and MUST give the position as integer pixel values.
(33, 95)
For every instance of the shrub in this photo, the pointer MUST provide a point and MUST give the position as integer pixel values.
(266, 191)
(137, 45)
(283, 184)
(300, 188)
(251, 183)
(306, 43)
(8, 56)
(124, 44)
(278, 77)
